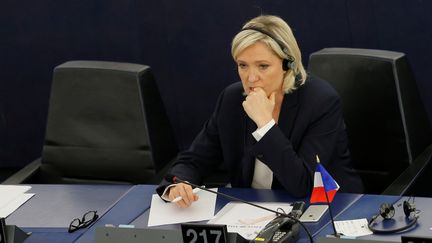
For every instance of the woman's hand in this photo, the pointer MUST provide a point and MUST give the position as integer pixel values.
(259, 107)
(184, 191)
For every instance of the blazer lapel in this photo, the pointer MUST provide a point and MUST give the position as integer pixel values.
(286, 121)
(287, 117)
(248, 161)
(288, 113)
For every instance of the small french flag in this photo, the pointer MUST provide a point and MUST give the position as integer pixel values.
(323, 182)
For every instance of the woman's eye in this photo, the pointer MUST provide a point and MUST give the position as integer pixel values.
(242, 66)
(263, 66)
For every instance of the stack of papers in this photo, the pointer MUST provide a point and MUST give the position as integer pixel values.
(247, 220)
(240, 218)
(353, 228)
(12, 197)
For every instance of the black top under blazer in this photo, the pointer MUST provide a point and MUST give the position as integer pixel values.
(310, 123)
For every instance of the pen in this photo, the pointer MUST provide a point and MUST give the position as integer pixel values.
(195, 190)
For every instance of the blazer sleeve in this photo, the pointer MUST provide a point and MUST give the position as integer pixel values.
(202, 157)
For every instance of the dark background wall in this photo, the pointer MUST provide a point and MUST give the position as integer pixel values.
(187, 43)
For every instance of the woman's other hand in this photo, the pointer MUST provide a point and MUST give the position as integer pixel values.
(182, 190)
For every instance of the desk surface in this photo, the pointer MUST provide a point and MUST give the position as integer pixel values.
(57, 205)
(50, 211)
(341, 202)
(369, 205)
(135, 203)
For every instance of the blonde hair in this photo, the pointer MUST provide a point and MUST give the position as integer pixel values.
(279, 29)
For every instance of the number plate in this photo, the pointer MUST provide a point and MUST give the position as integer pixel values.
(204, 233)
(416, 239)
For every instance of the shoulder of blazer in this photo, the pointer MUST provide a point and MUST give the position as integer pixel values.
(233, 93)
(234, 88)
(317, 89)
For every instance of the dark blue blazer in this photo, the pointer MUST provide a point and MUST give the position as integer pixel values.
(310, 124)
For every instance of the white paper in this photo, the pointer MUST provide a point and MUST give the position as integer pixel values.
(13, 205)
(162, 213)
(247, 220)
(9, 192)
(11, 198)
(354, 228)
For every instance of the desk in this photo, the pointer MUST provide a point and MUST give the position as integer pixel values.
(50, 211)
(48, 214)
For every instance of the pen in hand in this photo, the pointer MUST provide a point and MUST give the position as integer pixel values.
(195, 190)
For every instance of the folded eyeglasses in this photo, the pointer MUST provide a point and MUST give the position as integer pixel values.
(86, 220)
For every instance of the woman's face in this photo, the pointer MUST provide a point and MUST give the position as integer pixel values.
(259, 66)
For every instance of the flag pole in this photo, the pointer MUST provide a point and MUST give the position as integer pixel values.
(336, 234)
(331, 215)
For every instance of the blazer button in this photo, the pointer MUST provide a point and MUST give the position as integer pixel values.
(260, 156)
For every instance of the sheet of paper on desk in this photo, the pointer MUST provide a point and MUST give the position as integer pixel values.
(355, 227)
(12, 197)
(162, 213)
(245, 219)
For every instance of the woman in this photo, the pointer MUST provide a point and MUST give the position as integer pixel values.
(269, 128)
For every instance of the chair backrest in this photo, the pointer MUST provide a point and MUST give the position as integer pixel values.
(386, 121)
(106, 124)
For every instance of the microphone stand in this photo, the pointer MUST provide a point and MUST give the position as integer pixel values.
(177, 180)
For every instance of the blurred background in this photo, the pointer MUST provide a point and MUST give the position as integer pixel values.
(187, 44)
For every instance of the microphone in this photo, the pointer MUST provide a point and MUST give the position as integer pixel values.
(294, 214)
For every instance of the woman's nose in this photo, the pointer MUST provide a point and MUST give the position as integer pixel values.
(252, 76)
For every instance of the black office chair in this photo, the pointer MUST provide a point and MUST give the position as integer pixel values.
(386, 122)
(106, 124)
